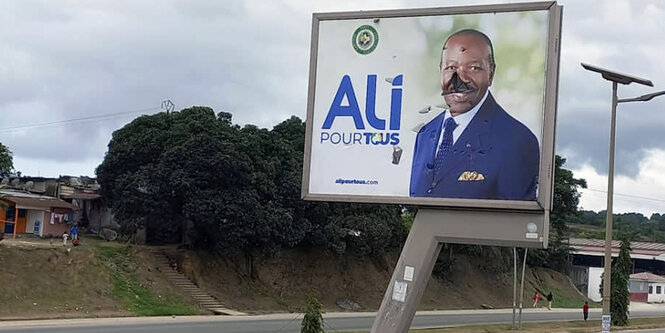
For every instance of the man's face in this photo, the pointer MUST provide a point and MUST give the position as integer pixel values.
(465, 72)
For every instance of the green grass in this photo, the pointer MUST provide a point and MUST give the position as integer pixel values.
(108, 253)
(567, 301)
(586, 231)
(138, 298)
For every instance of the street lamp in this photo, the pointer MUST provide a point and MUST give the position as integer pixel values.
(623, 79)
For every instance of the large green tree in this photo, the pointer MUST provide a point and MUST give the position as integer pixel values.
(6, 160)
(165, 170)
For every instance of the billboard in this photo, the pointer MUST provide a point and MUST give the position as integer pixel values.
(450, 107)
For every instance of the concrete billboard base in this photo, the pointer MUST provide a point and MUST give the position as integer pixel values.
(430, 229)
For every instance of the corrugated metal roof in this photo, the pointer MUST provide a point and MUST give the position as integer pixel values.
(581, 242)
(647, 277)
(43, 202)
(81, 196)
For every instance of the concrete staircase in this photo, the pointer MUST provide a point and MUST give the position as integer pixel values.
(183, 282)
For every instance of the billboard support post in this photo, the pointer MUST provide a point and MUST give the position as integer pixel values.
(526, 249)
(430, 229)
(514, 283)
(402, 296)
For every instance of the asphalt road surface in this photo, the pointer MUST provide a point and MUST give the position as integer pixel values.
(290, 323)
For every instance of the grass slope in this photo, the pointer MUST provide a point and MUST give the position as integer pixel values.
(41, 279)
(137, 297)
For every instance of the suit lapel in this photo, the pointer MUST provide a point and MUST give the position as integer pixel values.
(430, 135)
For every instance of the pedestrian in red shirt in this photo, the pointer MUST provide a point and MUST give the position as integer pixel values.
(585, 310)
(536, 298)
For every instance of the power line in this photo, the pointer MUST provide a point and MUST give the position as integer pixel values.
(627, 195)
(59, 122)
(641, 201)
(653, 203)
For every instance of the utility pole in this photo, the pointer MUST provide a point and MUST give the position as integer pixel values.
(624, 79)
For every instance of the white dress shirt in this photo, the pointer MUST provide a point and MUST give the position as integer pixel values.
(462, 121)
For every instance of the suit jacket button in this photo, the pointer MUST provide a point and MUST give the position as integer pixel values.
(429, 191)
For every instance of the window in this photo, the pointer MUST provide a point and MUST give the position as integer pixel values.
(650, 289)
(10, 211)
(21, 212)
(658, 289)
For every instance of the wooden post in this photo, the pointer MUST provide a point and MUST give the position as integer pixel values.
(15, 220)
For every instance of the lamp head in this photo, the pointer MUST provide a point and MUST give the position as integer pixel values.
(617, 77)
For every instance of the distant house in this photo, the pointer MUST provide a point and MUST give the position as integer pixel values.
(588, 258)
(81, 194)
(84, 193)
(647, 287)
(28, 213)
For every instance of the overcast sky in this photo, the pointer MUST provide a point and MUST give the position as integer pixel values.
(115, 60)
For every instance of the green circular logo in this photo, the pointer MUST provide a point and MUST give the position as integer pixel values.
(365, 39)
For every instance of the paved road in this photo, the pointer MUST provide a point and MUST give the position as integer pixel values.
(290, 323)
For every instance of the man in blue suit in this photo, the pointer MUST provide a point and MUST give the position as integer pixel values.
(475, 149)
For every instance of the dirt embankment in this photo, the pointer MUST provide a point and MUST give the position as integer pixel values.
(283, 282)
(48, 282)
(51, 283)
(44, 279)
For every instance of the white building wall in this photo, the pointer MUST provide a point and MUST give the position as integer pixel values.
(654, 296)
(593, 291)
(33, 216)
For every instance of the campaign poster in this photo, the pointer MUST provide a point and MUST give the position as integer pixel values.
(383, 85)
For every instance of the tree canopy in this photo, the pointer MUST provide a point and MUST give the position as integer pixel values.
(232, 188)
(566, 197)
(564, 209)
(634, 226)
(6, 160)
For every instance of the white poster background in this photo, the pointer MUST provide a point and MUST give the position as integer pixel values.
(411, 46)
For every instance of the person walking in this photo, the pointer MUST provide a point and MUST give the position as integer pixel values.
(585, 310)
(549, 300)
(536, 298)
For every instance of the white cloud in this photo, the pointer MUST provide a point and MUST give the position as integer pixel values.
(644, 194)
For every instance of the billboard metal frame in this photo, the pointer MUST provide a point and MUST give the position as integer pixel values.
(546, 171)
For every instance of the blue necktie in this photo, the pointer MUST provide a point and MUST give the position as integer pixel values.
(446, 144)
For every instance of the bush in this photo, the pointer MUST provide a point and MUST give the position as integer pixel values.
(312, 322)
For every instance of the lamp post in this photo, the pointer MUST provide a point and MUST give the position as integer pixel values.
(625, 79)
